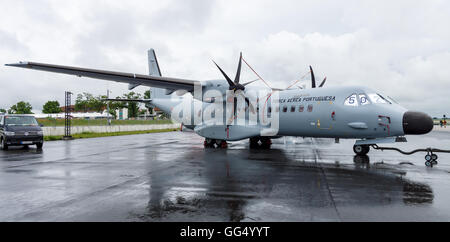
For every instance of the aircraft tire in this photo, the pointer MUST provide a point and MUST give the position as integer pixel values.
(223, 144)
(209, 143)
(254, 143)
(361, 149)
(266, 143)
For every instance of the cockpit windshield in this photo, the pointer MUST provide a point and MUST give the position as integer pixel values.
(362, 99)
(377, 98)
(351, 101)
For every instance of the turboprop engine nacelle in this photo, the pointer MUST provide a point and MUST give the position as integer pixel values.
(211, 90)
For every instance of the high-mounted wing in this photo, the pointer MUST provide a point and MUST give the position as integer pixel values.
(145, 80)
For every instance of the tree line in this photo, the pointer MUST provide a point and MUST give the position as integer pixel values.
(86, 102)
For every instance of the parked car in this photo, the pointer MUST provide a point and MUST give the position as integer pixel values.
(20, 130)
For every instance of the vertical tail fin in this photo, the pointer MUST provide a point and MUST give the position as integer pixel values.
(153, 66)
(154, 70)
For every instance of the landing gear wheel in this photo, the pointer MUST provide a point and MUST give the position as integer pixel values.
(361, 149)
(434, 157)
(266, 143)
(254, 143)
(223, 144)
(260, 143)
(209, 143)
(3, 145)
(431, 160)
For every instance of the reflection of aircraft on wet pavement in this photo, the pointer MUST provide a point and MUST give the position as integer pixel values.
(228, 110)
(259, 185)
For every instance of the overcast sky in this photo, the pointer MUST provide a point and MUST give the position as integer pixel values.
(400, 48)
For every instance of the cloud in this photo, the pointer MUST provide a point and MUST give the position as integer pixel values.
(399, 48)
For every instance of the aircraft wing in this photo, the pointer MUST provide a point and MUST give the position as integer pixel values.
(131, 78)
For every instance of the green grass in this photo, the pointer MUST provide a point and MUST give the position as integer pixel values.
(49, 122)
(86, 135)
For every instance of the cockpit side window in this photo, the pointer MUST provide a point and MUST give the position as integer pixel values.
(377, 98)
(351, 101)
(391, 100)
(363, 99)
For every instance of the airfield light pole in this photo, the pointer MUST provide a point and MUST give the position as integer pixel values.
(67, 117)
(107, 108)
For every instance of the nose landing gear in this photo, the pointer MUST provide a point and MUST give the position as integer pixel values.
(361, 149)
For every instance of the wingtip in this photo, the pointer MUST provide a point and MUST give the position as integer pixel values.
(20, 63)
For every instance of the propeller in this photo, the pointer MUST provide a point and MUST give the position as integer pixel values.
(235, 85)
(313, 79)
(323, 82)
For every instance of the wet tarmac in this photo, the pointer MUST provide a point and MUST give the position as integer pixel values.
(171, 177)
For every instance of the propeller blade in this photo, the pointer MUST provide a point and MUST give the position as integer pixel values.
(248, 83)
(313, 78)
(323, 82)
(252, 109)
(225, 75)
(235, 106)
(238, 73)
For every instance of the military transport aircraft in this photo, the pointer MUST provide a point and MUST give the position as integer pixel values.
(228, 110)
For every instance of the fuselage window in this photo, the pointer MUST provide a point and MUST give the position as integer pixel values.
(363, 99)
(292, 109)
(284, 109)
(269, 110)
(376, 98)
(310, 108)
(351, 101)
(301, 108)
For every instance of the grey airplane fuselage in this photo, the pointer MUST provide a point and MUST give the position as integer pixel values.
(334, 119)
(315, 112)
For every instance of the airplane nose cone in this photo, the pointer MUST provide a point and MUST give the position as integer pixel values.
(417, 123)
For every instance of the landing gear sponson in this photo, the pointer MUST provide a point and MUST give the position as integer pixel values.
(213, 143)
(255, 143)
(260, 143)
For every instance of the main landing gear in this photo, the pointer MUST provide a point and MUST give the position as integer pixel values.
(260, 143)
(212, 143)
(361, 149)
